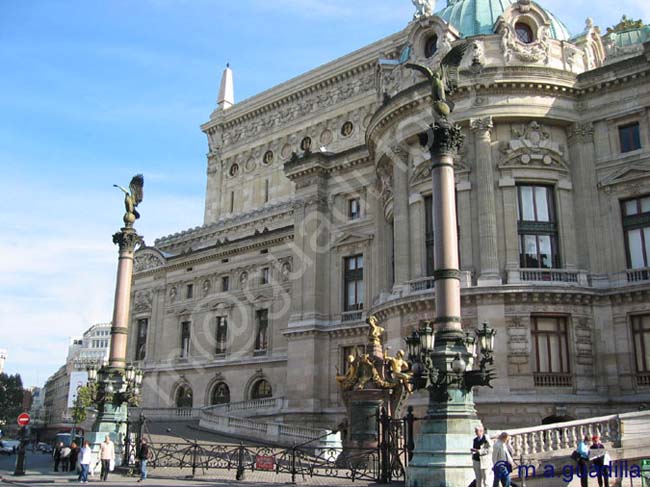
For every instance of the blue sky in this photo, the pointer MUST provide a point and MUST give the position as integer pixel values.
(92, 92)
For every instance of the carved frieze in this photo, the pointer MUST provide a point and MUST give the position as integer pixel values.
(142, 301)
(529, 53)
(533, 146)
(147, 260)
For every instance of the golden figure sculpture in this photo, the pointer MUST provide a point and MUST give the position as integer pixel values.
(132, 199)
(347, 381)
(376, 332)
(399, 369)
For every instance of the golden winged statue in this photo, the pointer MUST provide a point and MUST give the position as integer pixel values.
(441, 83)
(132, 199)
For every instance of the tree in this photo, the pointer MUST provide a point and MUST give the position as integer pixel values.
(11, 398)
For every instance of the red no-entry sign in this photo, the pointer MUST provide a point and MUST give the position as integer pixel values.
(23, 419)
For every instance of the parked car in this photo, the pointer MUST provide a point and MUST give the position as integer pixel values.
(8, 447)
(44, 447)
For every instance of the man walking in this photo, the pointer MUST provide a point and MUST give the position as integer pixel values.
(481, 458)
(85, 457)
(143, 456)
(107, 456)
(56, 454)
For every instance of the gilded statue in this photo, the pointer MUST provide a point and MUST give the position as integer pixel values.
(132, 199)
(441, 83)
(376, 332)
(399, 369)
(348, 380)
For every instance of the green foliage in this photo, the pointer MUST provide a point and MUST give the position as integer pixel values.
(11, 398)
(84, 400)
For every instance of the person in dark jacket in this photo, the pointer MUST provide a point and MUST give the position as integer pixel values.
(602, 472)
(143, 457)
(56, 455)
(74, 456)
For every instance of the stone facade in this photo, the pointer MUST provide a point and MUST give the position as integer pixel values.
(316, 216)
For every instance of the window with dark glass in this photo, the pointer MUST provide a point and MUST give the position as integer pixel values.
(225, 283)
(353, 283)
(636, 226)
(262, 324)
(641, 341)
(354, 209)
(550, 345)
(524, 32)
(184, 397)
(221, 334)
(189, 291)
(220, 394)
(264, 275)
(141, 339)
(629, 137)
(185, 339)
(261, 389)
(431, 46)
(537, 227)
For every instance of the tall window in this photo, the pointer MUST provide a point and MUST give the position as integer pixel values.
(353, 283)
(220, 394)
(184, 397)
(550, 346)
(629, 137)
(265, 276)
(636, 225)
(225, 283)
(221, 334)
(189, 291)
(185, 339)
(141, 339)
(261, 337)
(537, 227)
(641, 341)
(354, 209)
(266, 191)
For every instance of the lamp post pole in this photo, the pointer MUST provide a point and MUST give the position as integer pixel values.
(441, 351)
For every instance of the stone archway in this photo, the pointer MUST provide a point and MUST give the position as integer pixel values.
(184, 397)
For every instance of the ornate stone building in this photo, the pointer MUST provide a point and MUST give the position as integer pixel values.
(318, 213)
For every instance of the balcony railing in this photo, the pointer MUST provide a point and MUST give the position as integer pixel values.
(426, 283)
(548, 276)
(643, 379)
(348, 316)
(553, 379)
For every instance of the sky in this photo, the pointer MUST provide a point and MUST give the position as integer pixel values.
(93, 92)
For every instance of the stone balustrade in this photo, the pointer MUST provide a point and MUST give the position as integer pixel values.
(254, 407)
(168, 414)
(550, 276)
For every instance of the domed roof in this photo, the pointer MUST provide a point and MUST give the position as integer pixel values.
(477, 17)
(629, 32)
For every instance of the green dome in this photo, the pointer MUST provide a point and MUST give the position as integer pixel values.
(629, 32)
(477, 17)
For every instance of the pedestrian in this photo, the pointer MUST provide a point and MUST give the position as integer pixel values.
(65, 458)
(85, 457)
(107, 456)
(581, 456)
(598, 455)
(74, 457)
(56, 455)
(503, 462)
(143, 456)
(481, 458)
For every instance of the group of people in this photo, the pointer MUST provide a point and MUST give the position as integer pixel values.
(497, 459)
(74, 459)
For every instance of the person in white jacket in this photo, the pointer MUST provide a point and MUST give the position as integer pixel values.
(85, 457)
(107, 456)
(503, 462)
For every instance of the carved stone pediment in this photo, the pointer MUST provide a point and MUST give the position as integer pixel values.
(142, 301)
(148, 258)
(422, 173)
(632, 174)
(350, 239)
(533, 147)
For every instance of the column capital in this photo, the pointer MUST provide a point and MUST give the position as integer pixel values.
(447, 138)
(127, 239)
(581, 132)
(481, 126)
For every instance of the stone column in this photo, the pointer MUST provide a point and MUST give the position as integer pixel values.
(127, 240)
(401, 225)
(487, 222)
(441, 454)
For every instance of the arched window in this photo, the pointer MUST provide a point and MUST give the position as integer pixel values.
(524, 32)
(184, 397)
(220, 394)
(261, 389)
(431, 46)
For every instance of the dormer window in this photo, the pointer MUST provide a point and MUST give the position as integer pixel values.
(524, 32)
(431, 46)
